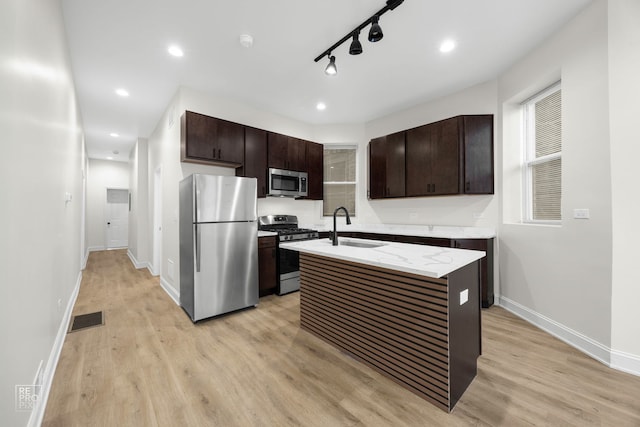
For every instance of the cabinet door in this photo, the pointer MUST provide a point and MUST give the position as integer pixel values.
(395, 166)
(445, 157)
(198, 134)
(315, 169)
(478, 154)
(418, 154)
(229, 142)
(255, 158)
(377, 168)
(278, 150)
(267, 272)
(297, 155)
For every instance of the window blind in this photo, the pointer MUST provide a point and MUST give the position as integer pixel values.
(339, 181)
(547, 176)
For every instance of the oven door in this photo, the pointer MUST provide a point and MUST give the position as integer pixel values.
(289, 271)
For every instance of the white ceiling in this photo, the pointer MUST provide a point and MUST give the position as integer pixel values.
(123, 43)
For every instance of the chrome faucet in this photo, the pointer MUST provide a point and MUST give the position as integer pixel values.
(335, 230)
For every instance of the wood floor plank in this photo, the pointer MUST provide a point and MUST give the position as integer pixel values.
(149, 365)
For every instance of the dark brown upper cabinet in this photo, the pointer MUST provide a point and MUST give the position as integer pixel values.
(208, 140)
(315, 169)
(387, 166)
(477, 143)
(286, 152)
(452, 156)
(212, 141)
(432, 157)
(255, 158)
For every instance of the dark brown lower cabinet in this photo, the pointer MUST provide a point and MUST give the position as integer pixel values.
(486, 245)
(267, 271)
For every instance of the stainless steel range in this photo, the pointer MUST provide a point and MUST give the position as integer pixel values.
(288, 261)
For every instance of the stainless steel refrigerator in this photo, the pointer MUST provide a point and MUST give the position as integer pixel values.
(218, 245)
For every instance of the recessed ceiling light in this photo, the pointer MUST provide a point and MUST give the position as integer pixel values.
(447, 46)
(246, 40)
(113, 134)
(116, 152)
(175, 51)
(109, 158)
(122, 92)
(321, 106)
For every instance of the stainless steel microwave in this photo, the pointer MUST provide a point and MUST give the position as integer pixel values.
(285, 183)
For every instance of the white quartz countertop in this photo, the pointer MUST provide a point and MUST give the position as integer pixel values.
(443, 231)
(424, 260)
(262, 233)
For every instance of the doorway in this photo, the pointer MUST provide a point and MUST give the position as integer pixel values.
(117, 218)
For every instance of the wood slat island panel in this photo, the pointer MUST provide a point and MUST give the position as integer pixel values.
(398, 323)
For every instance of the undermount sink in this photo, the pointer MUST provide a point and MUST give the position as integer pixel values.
(360, 244)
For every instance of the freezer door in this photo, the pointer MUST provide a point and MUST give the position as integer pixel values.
(225, 198)
(226, 268)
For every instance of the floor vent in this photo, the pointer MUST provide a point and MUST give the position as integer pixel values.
(84, 321)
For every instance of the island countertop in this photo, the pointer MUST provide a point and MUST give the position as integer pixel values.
(430, 261)
(442, 231)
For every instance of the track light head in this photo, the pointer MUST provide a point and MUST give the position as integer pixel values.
(331, 69)
(375, 33)
(356, 47)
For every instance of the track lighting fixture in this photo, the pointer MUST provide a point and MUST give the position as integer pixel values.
(356, 47)
(331, 69)
(375, 34)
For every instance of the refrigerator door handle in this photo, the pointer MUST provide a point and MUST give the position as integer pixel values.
(198, 238)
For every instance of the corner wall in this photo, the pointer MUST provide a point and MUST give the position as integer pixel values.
(624, 92)
(138, 215)
(41, 185)
(559, 277)
(164, 153)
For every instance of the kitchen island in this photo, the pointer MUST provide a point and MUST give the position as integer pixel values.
(411, 312)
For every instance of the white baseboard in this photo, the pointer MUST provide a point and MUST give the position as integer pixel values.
(84, 260)
(173, 293)
(37, 415)
(625, 362)
(137, 264)
(614, 359)
(95, 249)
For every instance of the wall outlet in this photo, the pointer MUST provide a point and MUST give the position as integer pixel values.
(581, 213)
(478, 215)
(170, 269)
(59, 303)
(464, 296)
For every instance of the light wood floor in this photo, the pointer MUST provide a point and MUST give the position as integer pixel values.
(149, 365)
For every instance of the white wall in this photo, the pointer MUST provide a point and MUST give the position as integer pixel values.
(102, 174)
(42, 159)
(138, 215)
(560, 276)
(624, 93)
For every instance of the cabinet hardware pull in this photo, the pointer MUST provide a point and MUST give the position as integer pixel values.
(218, 153)
(468, 185)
